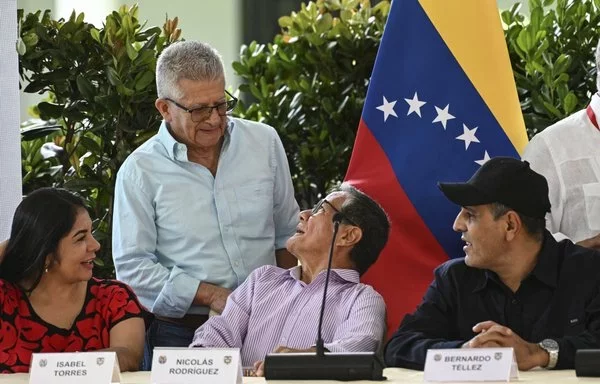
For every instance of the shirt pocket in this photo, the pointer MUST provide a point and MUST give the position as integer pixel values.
(591, 195)
(254, 216)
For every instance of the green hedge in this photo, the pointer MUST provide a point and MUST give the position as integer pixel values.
(101, 90)
(309, 83)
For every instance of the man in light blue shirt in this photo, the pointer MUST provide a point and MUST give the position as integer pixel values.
(201, 204)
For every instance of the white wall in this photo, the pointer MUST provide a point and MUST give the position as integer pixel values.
(10, 149)
(506, 4)
(95, 11)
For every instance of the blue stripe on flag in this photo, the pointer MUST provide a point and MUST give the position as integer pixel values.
(413, 58)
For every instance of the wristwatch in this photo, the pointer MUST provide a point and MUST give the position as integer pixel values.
(550, 346)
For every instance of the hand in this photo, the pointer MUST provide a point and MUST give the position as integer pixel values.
(259, 368)
(218, 298)
(213, 296)
(491, 334)
(284, 349)
(593, 242)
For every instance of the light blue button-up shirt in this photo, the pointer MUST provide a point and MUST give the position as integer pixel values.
(175, 225)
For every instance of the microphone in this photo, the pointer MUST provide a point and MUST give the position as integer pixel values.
(337, 219)
(321, 365)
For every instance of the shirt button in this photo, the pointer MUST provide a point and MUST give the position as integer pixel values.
(237, 263)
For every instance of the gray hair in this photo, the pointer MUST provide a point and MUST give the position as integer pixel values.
(191, 60)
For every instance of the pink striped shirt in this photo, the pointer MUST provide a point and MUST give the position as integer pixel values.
(273, 307)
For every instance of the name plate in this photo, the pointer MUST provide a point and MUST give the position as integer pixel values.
(74, 367)
(470, 364)
(196, 365)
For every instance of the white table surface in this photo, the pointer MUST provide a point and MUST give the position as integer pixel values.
(394, 375)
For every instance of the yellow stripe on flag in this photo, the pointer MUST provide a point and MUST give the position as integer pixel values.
(473, 32)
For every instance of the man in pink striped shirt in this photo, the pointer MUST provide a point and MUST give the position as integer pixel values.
(277, 310)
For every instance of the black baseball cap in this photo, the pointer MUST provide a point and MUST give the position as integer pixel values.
(504, 180)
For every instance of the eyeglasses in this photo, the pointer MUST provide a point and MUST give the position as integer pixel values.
(319, 207)
(201, 114)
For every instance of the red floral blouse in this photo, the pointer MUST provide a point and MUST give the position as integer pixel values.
(23, 332)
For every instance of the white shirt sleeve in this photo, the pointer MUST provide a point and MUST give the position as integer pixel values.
(539, 156)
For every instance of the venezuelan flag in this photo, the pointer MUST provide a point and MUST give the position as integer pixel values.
(441, 101)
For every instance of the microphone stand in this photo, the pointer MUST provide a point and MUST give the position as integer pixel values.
(320, 343)
(321, 365)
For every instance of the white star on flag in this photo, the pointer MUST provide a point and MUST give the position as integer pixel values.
(468, 136)
(415, 105)
(443, 116)
(387, 108)
(486, 157)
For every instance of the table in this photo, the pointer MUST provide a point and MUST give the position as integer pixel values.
(394, 375)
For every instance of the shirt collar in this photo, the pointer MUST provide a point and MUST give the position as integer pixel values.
(595, 104)
(545, 270)
(177, 150)
(349, 275)
(483, 280)
(167, 140)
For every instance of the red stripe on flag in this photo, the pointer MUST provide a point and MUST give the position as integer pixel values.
(404, 269)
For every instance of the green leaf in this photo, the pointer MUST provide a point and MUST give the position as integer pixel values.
(38, 132)
(552, 109)
(255, 91)
(144, 81)
(95, 34)
(346, 15)
(537, 15)
(125, 91)
(570, 103)
(146, 57)
(131, 52)
(561, 64)
(524, 40)
(80, 18)
(383, 8)
(21, 47)
(113, 76)
(79, 184)
(506, 17)
(31, 39)
(98, 261)
(35, 86)
(534, 4)
(90, 144)
(285, 22)
(239, 68)
(323, 23)
(50, 110)
(85, 87)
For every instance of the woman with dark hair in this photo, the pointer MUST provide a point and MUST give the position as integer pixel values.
(49, 301)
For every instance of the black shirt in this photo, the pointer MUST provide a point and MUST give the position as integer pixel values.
(559, 299)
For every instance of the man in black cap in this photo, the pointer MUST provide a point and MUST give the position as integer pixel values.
(516, 286)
